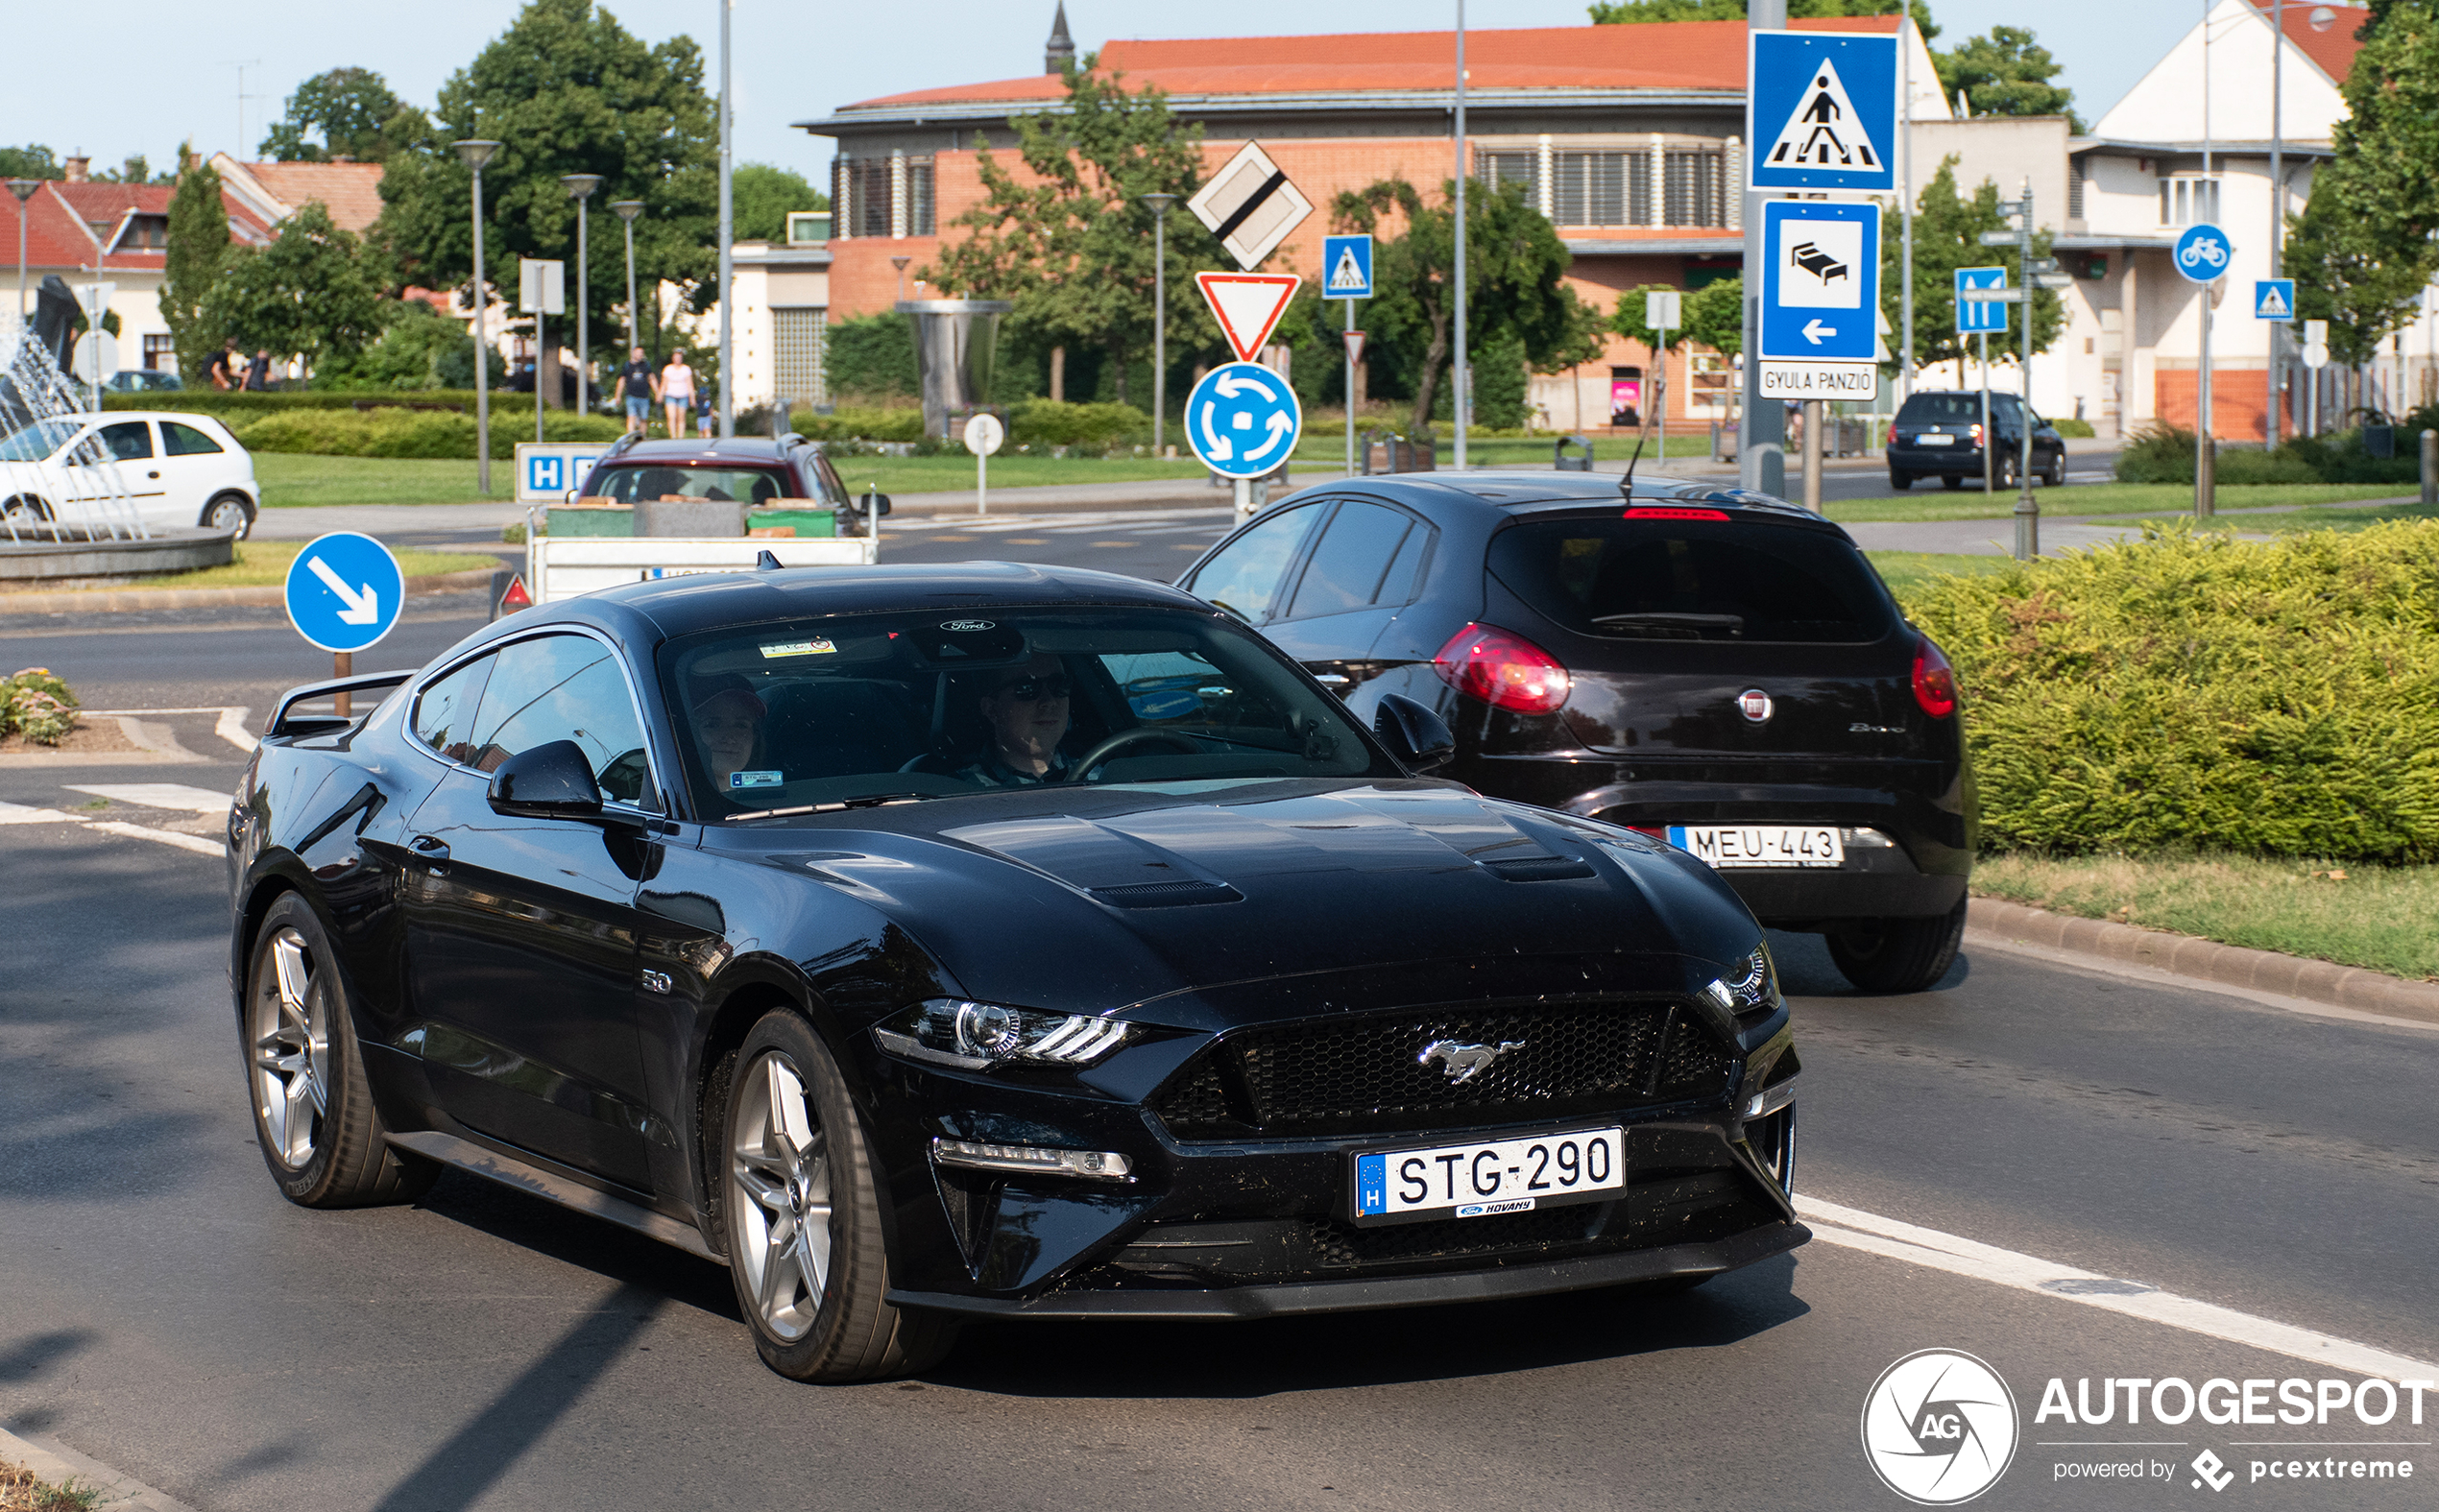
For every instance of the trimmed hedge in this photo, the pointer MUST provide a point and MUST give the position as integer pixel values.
(1036, 423)
(234, 407)
(2164, 454)
(409, 433)
(2198, 692)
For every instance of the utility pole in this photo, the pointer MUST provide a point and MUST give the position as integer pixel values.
(1905, 201)
(2274, 423)
(727, 242)
(2206, 454)
(1461, 406)
(1761, 449)
(2027, 507)
(1159, 203)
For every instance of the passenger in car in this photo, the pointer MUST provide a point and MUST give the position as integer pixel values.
(1027, 713)
(728, 725)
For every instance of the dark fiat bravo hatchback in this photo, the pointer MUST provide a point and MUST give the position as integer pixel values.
(927, 943)
(1713, 668)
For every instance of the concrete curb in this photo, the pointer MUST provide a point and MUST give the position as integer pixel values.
(59, 1465)
(105, 601)
(2208, 960)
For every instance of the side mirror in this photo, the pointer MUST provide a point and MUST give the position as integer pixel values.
(874, 502)
(1418, 737)
(571, 495)
(548, 782)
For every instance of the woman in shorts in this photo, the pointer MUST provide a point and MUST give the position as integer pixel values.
(677, 394)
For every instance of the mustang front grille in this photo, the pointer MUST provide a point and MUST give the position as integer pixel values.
(1439, 1067)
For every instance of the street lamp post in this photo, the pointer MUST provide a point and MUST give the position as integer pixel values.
(1160, 203)
(728, 244)
(1461, 406)
(23, 189)
(628, 210)
(475, 152)
(579, 187)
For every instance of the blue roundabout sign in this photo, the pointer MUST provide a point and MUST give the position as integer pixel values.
(1242, 421)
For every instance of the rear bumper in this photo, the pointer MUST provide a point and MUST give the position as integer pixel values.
(1935, 459)
(1789, 899)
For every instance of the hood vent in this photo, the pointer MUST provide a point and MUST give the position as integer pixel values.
(1168, 894)
(1540, 869)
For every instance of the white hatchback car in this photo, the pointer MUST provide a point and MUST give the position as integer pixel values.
(174, 469)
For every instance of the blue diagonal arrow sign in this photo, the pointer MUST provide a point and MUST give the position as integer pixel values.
(345, 592)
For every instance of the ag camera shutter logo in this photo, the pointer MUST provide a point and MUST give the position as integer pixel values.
(1939, 1427)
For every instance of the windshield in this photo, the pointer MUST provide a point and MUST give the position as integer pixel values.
(833, 710)
(626, 484)
(1692, 580)
(37, 440)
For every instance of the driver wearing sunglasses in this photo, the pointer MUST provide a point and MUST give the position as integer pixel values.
(1026, 712)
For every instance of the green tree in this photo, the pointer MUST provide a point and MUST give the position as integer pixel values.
(1073, 250)
(1621, 11)
(1514, 284)
(420, 348)
(30, 162)
(348, 109)
(137, 169)
(197, 245)
(2006, 73)
(762, 198)
(306, 295)
(2362, 251)
(565, 90)
(873, 357)
(1948, 235)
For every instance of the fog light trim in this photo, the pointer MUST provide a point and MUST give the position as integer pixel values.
(1770, 1099)
(1033, 1158)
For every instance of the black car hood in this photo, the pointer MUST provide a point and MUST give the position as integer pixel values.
(1094, 899)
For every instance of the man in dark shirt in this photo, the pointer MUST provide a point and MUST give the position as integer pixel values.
(259, 372)
(635, 386)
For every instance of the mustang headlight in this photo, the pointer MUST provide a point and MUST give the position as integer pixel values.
(975, 1037)
(1752, 987)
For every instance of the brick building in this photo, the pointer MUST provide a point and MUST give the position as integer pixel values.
(1628, 137)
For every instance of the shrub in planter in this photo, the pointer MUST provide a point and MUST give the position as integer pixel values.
(2192, 691)
(37, 705)
(1042, 423)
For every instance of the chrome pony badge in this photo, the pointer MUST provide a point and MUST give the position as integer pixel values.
(1755, 706)
(1462, 1062)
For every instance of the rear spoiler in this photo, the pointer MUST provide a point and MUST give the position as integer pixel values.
(321, 724)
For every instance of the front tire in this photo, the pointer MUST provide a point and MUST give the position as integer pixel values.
(1900, 481)
(801, 1217)
(230, 513)
(1951, 481)
(314, 1116)
(1898, 955)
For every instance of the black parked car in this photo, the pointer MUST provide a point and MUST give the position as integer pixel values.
(927, 943)
(1713, 668)
(1940, 435)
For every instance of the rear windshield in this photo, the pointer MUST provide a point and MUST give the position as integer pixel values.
(1692, 580)
(1953, 409)
(628, 484)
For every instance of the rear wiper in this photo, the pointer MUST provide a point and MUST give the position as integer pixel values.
(868, 801)
(1733, 624)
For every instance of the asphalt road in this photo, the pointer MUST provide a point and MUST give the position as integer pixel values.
(163, 1310)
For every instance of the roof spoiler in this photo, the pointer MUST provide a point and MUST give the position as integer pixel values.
(318, 724)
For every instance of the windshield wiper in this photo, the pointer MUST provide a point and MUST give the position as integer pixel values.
(1733, 624)
(865, 800)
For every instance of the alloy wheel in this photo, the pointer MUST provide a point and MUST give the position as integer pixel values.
(778, 1196)
(227, 514)
(289, 1027)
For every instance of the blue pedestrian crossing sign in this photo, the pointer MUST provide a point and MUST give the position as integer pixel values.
(345, 592)
(1979, 316)
(2203, 254)
(1242, 419)
(1348, 261)
(2274, 298)
(1821, 112)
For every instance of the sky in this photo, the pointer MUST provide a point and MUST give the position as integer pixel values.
(168, 68)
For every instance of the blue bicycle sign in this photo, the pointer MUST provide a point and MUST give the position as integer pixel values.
(2203, 254)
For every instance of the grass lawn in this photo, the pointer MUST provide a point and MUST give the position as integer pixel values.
(290, 480)
(954, 473)
(1906, 571)
(2101, 498)
(2367, 916)
(264, 564)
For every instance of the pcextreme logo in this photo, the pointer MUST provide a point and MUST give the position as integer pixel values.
(1939, 1427)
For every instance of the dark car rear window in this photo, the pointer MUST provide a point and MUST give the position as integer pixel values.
(1940, 409)
(627, 483)
(1692, 580)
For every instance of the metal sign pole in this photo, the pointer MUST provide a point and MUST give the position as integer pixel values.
(1905, 200)
(1461, 406)
(1990, 440)
(1348, 347)
(2027, 507)
(1761, 448)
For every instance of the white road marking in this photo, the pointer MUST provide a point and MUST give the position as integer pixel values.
(1851, 1228)
(156, 795)
(20, 815)
(230, 727)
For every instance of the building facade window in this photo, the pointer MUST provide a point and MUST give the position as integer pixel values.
(919, 197)
(1697, 186)
(160, 353)
(1520, 167)
(882, 197)
(1591, 189)
(1709, 377)
(800, 353)
(2188, 201)
(2075, 190)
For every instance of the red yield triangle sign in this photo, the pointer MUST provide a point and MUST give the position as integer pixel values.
(1247, 306)
(515, 597)
(1354, 347)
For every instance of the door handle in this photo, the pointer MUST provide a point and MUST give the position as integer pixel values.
(429, 849)
(151, 474)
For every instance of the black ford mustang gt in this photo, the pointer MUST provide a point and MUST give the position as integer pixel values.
(927, 943)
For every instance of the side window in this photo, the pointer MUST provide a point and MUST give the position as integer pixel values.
(1400, 583)
(446, 711)
(1346, 568)
(186, 440)
(565, 688)
(129, 441)
(1244, 579)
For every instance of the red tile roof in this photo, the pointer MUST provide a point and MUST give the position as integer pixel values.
(351, 192)
(1683, 55)
(2332, 49)
(61, 214)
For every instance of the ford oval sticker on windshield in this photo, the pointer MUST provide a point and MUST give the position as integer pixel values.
(968, 627)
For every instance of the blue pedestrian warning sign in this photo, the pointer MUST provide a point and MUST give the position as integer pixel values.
(2273, 298)
(1821, 111)
(1349, 261)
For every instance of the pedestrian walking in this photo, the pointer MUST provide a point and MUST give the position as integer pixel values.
(227, 368)
(259, 372)
(637, 389)
(677, 394)
(703, 414)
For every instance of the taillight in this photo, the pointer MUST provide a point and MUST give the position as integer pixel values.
(1933, 681)
(1977, 434)
(1673, 512)
(1502, 669)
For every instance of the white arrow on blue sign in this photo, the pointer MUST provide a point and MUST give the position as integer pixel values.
(1820, 287)
(1822, 113)
(1242, 419)
(1981, 316)
(345, 592)
(1348, 260)
(2203, 254)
